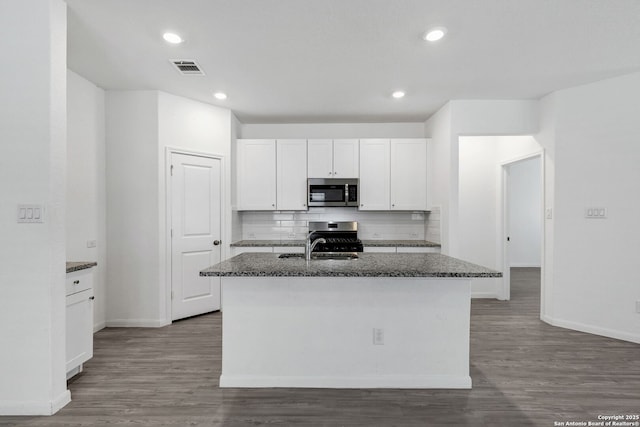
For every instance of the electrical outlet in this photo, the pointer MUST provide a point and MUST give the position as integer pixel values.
(292, 235)
(91, 243)
(549, 213)
(376, 235)
(252, 235)
(414, 235)
(378, 336)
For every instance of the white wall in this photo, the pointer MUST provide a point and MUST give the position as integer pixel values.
(525, 213)
(132, 209)
(141, 125)
(333, 130)
(86, 186)
(594, 132)
(194, 127)
(460, 118)
(32, 171)
(479, 204)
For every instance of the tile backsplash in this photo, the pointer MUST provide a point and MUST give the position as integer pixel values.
(289, 225)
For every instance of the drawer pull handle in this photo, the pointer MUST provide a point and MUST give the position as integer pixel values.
(76, 282)
(92, 298)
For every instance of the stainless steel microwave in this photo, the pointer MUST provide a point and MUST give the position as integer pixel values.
(332, 192)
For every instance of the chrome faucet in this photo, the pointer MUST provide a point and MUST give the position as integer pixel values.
(310, 245)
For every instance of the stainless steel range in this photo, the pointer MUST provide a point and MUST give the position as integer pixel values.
(339, 236)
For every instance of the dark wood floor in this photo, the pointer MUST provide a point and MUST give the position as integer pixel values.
(525, 373)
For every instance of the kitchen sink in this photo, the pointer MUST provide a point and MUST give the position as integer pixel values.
(291, 256)
(324, 256)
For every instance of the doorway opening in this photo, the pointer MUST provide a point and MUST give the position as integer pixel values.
(522, 224)
(484, 233)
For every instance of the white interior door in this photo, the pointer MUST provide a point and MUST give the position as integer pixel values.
(195, 243)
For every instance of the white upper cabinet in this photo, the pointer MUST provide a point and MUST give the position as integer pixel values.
(320, 158)
(409, 174)
(374, 174)
(256, 174)
(291, 174)
(393, 174)
(329, 158)
(346, 158)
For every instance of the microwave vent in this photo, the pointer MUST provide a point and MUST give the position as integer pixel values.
(187, 67)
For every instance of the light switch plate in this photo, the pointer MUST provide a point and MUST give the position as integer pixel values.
(595, 212)
(30, 213)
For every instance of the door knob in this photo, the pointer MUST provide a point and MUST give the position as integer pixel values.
(216, 242)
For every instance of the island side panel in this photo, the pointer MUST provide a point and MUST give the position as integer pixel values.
(319, 332)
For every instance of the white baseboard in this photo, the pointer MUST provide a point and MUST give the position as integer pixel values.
(524, 264)
(99, 326)
(32, 407)
(386, 381)
(591, 329)
(485, 295)
(136, 323)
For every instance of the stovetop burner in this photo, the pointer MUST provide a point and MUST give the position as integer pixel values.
(341, 236)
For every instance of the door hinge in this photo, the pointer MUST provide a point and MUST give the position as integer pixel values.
(171, 170)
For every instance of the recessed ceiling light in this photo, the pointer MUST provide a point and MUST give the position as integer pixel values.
(172, 38)
(435, 34)
(398, 94)
(220, 95)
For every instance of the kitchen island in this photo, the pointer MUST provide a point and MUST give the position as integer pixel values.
(383, 320)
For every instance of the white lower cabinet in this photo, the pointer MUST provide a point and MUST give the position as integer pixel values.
(288, 249)
(237, 250)
(380, 249)
(79, 321)
(402, 249)
(418, 250)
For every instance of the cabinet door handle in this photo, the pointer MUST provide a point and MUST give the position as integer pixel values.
(216, 242)
(92, 298)
(76, 282)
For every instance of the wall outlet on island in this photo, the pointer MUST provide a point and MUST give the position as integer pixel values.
(378, 336)
(292, 235)
(91, 243)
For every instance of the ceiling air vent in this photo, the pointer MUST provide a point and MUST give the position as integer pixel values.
(187, 67)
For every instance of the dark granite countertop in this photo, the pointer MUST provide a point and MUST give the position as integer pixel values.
(400, 243)
(77, 266)
(368, 265)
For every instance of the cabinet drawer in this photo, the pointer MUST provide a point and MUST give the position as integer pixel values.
(78, 281)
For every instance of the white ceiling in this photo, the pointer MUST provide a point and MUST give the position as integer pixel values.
(305, 61)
